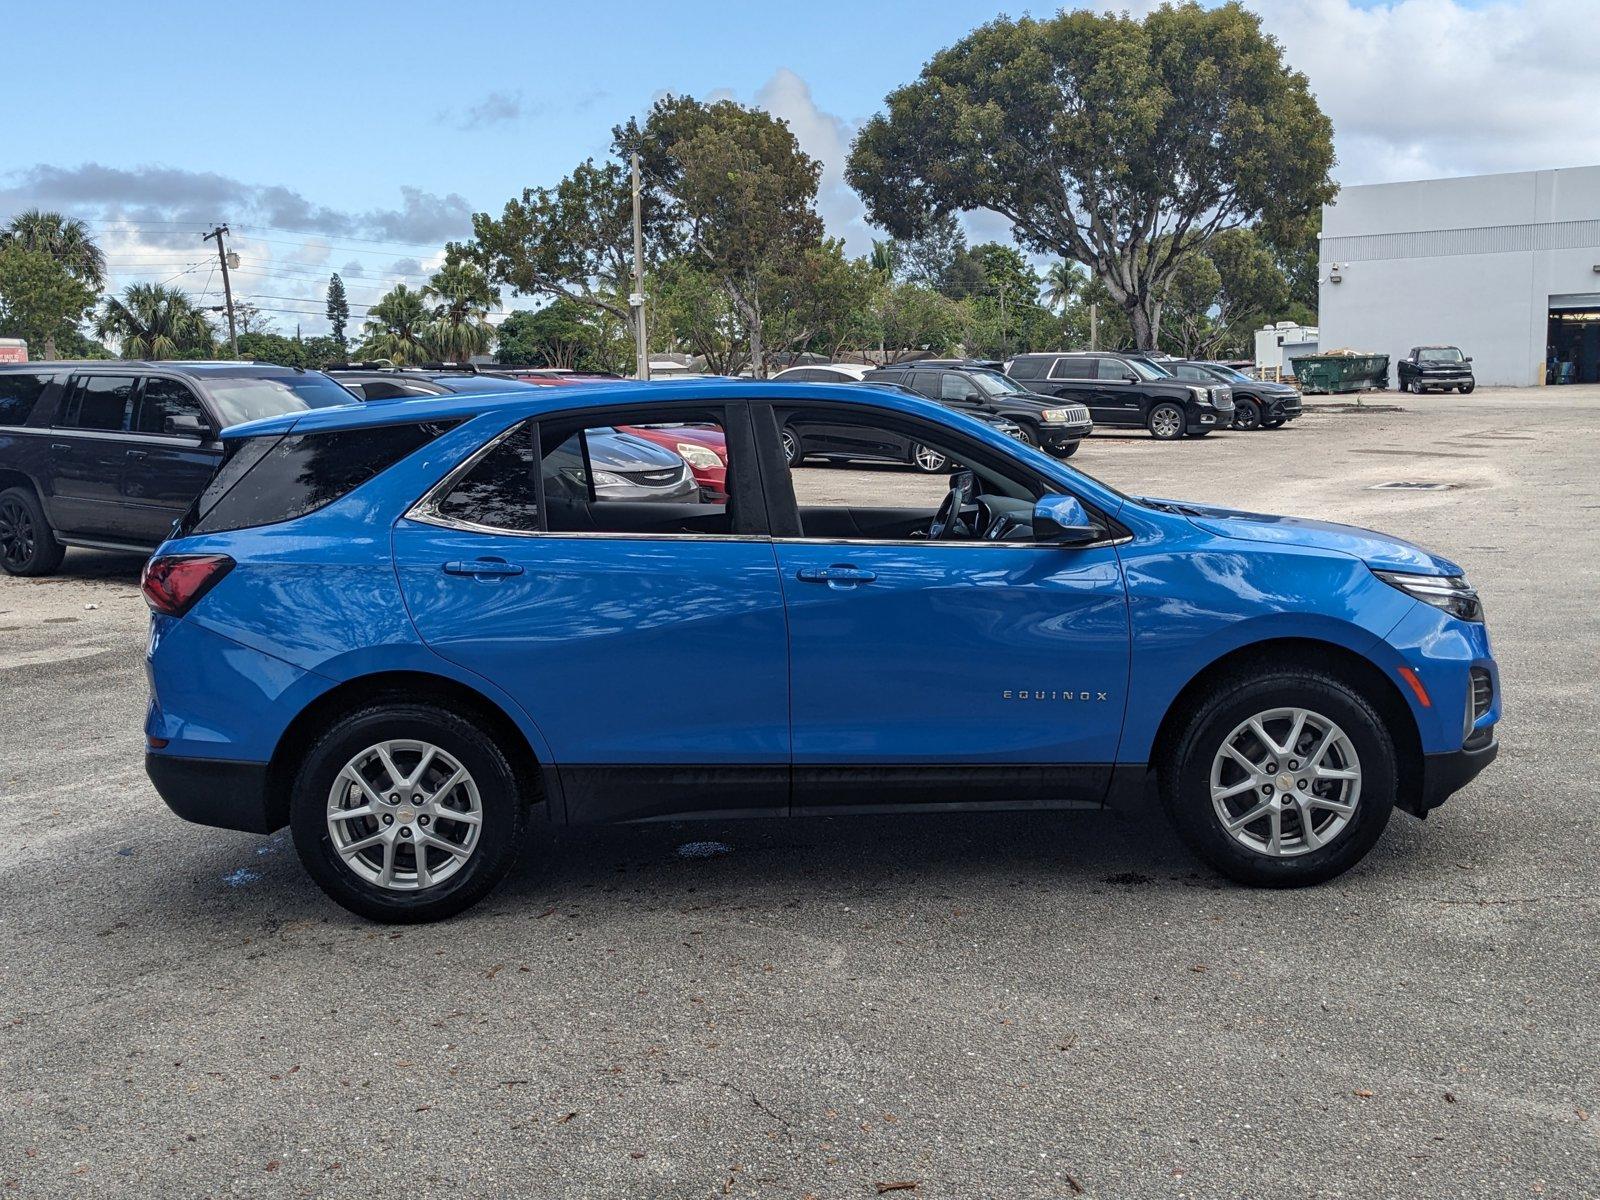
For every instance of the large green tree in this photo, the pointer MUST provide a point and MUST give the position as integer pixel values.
(41, 301)
(563, 334)
(462, 297)
(1121, 143)
(912, 320)
(397, 328)
(732, 190)
(150, 320)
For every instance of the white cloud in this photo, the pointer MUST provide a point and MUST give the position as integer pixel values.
(826, 138)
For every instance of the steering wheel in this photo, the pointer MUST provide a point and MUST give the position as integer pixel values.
(947, 521)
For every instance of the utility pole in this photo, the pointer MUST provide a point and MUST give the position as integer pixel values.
(636, 300)
(227, 288)
(1005, 334)
(1094, 327)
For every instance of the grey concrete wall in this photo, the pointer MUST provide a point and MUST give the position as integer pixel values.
(1470, 262)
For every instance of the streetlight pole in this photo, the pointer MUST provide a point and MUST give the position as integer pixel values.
(636, 300)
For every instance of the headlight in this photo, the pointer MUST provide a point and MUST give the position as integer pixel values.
(1056, 416)
(699, 456)
(1449, 592)
(607, 479)
(1199, 392)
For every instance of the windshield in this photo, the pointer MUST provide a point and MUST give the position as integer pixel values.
(1439, 354)
(1228, 373)
(240, 398)
(995, 384)
(1147, 371)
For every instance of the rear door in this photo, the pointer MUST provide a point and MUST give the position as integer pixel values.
(164, 468)
(88, 443)
(646, 640)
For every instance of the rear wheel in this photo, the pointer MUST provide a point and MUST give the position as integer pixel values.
(1281, 779)
(406, 813)
(791, 446)
(1166, 422)
(27, 547)
(1247, 415)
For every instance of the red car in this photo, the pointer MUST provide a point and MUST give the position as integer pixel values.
(703, 447)
(550, 376)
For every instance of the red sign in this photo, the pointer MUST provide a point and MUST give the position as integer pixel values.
(13, 350)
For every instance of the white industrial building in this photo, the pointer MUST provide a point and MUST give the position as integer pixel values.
(1505, 266)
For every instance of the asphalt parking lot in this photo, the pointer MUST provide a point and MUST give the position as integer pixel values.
(982, 1006)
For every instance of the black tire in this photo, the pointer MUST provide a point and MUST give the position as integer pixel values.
(1161, 425)
(1272, 422)
(792, 450)
(1247, 415)
(27, 547)
(1196, 433)
(1068, 450)
(1185, 774)
(1029, 435)
(1467, 387)
(936, 463)
(500, 837)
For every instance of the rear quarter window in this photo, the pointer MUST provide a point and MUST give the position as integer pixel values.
(1028, 368)
(266, 480)
(19, 392)
(1073, 368)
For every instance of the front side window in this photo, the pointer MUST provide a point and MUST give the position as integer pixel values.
(161, 399)
(955, 387)
(101, 402)
(1111, 368)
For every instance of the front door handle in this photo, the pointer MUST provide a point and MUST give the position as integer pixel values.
(838, 575)
(137, 454)
(482, 568)
(59, 446)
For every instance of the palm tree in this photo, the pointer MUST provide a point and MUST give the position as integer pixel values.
(463, 297)
(152, 321)
(1060, 282)
(885, 257)
(397, 328)
(65, 239)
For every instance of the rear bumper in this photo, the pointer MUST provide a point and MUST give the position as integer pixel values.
(1443, 775)
(214, 791)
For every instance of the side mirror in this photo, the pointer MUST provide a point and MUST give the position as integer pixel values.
(1063, 520)
(965, 481)
(187, 425)
(1468, 358)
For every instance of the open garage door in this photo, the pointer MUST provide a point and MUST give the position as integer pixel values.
(1572, 347)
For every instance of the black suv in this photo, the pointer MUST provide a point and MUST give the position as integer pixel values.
(1257, 403)
(1442, 367)
(973, 387)
(1126, 391)
(108, 454)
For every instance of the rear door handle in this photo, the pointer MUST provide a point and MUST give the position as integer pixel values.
(482, 568)
(59, 446)
(138, 454)
(838, 575)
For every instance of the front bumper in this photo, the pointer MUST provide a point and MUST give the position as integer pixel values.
(1063, 435)
(1209, 417)
(1443, 775)
(213, 791)
(1444, 381)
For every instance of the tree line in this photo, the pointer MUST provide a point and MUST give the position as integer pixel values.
(1170, 168)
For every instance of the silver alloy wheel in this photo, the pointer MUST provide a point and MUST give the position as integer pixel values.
(404, 815)
(1286, 782)
(1166, 423)
(791, 446)
(927, 459)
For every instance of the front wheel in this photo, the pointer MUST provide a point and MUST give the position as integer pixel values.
(27, 547)
(1467, 387)
(1247, 415)
(927, 459)
(1068, 450)
(404, 812)
(1272, 422)
(1166, 422)
(1281, 780)
(791, 446)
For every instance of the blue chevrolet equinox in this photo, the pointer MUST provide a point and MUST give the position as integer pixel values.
(415, 629)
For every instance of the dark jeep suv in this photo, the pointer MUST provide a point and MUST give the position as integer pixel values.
(1442, 367)
(108, 454)
(978, 388)
(1128, 392)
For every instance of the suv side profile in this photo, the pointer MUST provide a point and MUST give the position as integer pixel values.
(1126, 391)
(1257, 403)
(400, 629)
(977, 387)
(108, 454)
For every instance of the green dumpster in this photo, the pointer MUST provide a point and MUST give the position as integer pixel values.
(1341, 372)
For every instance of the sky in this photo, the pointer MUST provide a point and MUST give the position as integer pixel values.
(357, 137)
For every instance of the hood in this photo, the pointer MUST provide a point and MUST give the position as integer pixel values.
(1377, 550)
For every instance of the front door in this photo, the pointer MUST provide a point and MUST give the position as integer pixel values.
(640, 626)
(162, 470)
(939, 671)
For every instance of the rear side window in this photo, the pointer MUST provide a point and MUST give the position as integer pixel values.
(1028, 368)
(267, 480)
(19, 392)
(101, 402)
(501, 490)
(1073, 368)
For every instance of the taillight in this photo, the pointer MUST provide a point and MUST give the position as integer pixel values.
(174, 583)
